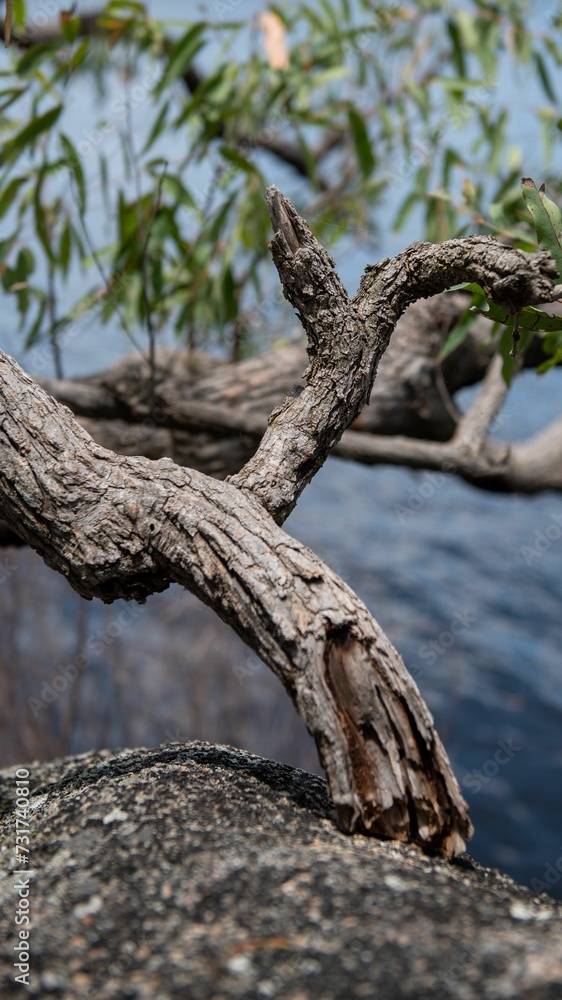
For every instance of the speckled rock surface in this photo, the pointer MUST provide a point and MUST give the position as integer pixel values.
(205, 873)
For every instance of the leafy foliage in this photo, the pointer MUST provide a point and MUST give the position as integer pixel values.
(547, 220)
(362, 122)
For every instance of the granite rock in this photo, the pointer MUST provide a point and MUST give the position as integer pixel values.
(203, 872)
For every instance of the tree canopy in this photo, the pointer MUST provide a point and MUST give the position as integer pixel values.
(366, 113)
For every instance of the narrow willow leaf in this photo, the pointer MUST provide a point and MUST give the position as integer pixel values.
(75, 166)
(457, 335)
(239, 161)
(29, 134)
(544, 77)
(182, 54)
(42, 222)
(546, 234)
(34, 56)
(8, 196)
(65, 247)
(34, 332)
(362, 142)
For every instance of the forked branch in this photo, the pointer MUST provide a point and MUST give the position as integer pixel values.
(127, 527)
(347, 338)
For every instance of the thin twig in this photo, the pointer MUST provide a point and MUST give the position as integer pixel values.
(147, 307)
(52, 311)
(473, 429)
(8, 21)
(445, 395)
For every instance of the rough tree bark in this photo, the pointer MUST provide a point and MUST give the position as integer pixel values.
(126, 527)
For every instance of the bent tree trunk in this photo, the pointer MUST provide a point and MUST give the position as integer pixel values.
(126, 527)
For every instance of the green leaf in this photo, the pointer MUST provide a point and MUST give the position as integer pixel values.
(156, 277)
(34, 331)
(6, 246)
(158, 127)
(19, 13)
(544, 77)
(30, 133)
(79, 55)
(173, 186)
(182, 54)
(8, 196)
(530, 318)
(64, 249)
(118, 7)
(545, 366)
(10, 95)
(405, 209)
(128, 221)
(75, 166)
(70, 28)
(104, 177)
(362, 142)
(552, 344)
(457, 335)
(546, 233)
(218, 222)
(42, 222)
(227, 295)
(35, 55)
(553, 212)
(25, 264)
(457, 47)
(455, 85)
(239, 161)
(451, 159)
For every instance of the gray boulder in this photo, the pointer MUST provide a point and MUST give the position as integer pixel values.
(202, 872)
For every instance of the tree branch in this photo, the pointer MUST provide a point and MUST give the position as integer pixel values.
(127, 527)
(211, 416)
(472, 432)
(346, 339)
